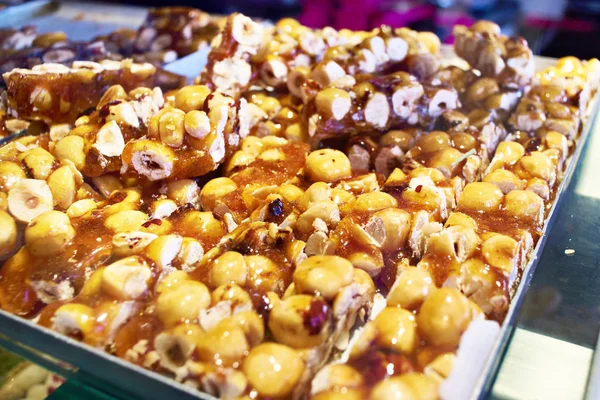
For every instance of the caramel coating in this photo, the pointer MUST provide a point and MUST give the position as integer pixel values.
(273, 369)
(480, 196)
(327, 165)
(411, 288)
(223, 345)
(8, 235)
(10, 174)
(230, 267)
(299, 321)
(215, 189)
(182, 302)
(434, 141)
(394, 388)
(48, 233)
(444, 316)
(323, 275)
(397, 330)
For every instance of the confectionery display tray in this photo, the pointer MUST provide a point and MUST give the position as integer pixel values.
(546, 346)
(535, 340)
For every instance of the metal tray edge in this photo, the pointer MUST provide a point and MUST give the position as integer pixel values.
(486, 378)
(117, 374)
(593, 383)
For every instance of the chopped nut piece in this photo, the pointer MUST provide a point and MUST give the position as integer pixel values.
(29, 198)
(126, 279)
(109, 140)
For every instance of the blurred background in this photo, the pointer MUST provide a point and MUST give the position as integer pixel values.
(552, 27)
